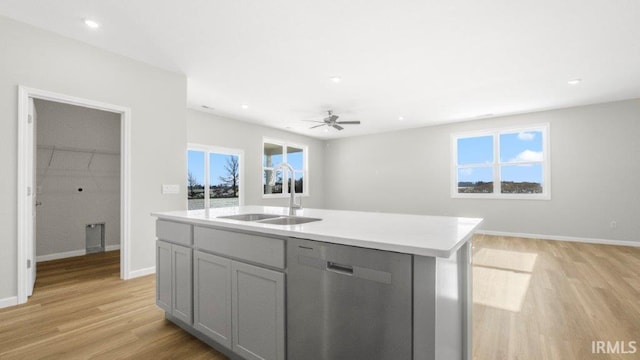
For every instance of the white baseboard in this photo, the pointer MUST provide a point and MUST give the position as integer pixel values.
(61, 255)
(112, 247)
(561, 238)
(73, 253)
(141, 272)
(10, 301)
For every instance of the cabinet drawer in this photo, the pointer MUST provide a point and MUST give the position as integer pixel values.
(253, 248)
(174, 232)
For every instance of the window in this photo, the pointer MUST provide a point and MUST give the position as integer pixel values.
(214, 177)
(503, 164)
(278, 183)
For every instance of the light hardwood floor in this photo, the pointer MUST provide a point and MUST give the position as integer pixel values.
(534, 299)
(80, 309)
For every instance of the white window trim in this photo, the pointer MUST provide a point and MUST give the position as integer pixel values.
(208, 149)
(285, 184)
(546, 163)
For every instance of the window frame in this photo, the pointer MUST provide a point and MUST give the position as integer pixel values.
(285, 182)
(496, 165)
(208, 150)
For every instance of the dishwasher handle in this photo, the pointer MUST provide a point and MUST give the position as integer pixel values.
(340, 268)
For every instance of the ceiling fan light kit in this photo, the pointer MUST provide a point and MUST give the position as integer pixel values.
(332, 121)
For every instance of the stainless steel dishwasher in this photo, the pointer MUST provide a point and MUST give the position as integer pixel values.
(346, 302)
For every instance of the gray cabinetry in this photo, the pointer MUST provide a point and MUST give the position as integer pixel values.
(205, 280)
(174, 286)
(181, 257)
(258, 312)
(174, 232)
(262, 250)
(212, 296)
(163, 276)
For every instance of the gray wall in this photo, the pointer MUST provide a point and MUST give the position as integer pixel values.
(157, 98)
(208, 129)
(61, 173)
(594, 174)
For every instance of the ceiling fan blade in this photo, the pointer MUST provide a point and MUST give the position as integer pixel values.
(333, 117)
(313, 127)
(348, 122)
(315, 121)
(338, 127)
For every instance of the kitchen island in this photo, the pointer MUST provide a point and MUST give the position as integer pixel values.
(233, 277)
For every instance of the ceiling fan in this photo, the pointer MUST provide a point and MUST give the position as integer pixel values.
(332, 121)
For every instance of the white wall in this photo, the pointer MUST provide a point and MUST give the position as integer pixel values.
(594, 174)
(65, 211)
(208, 129)
(157, 98)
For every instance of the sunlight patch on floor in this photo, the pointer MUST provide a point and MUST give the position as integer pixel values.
(501, 278)
(504, 259)
(500, 289)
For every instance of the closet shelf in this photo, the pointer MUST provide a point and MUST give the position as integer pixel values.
(80, 150)
(54, 148)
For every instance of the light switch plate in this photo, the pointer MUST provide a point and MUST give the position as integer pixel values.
(170, 189)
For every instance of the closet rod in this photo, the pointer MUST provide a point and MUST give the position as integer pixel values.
(72, 149)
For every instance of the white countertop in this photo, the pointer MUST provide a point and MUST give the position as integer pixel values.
(439, 236)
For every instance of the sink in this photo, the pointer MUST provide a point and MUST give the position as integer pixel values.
(271, 219)
(290, 220)
(249, 217)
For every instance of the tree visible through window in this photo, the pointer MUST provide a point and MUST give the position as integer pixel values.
(502, 164)
(213, 177)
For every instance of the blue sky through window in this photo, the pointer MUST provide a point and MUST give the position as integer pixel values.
(475, 150)
(217, 167)
(294, 158)
(195, 163)
(475, 174)
(522, 146)
(275, 159)
(515, 147)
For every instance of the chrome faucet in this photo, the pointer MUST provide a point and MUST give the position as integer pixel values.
(293, 206)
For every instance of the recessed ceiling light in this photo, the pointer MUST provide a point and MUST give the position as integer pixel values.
(336, 79)
(326, 129)
(401, 118)
(574, 81)
(245, 106)
(91, 23)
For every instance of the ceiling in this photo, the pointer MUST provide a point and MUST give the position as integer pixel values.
(427, 62)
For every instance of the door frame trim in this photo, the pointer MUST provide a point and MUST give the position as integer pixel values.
(25, 170)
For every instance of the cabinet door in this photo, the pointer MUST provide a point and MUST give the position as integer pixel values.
(182, 286)
(258, 312)
(163, 276)
(212, 296)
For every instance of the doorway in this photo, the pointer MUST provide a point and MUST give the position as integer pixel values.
(77, 189)
(28, 163)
